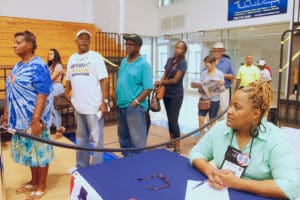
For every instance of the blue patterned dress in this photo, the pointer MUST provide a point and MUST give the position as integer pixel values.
(24, 83)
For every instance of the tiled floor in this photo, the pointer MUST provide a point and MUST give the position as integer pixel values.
(188, 117)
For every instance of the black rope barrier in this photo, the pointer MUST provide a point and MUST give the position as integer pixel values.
(76, 147)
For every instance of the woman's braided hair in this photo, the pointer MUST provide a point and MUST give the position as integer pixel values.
(260, 94)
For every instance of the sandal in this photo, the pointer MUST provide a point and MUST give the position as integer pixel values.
(59, 133)
(35, 195)
(25, 188)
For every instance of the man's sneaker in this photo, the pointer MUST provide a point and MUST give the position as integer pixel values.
(72, 170)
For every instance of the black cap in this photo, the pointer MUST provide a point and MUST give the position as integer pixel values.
(134, 38)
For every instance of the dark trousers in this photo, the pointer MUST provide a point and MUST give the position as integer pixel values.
(148, 120)
(173, 105)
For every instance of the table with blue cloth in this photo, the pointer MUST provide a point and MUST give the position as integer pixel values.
(117, 179)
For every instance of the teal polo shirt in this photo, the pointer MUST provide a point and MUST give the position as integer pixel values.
(133, 79)
(272, 156)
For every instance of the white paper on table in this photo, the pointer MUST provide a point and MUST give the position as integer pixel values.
(204, 191)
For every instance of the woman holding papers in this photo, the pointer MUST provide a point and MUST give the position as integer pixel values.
(210, 82)
(250, 153)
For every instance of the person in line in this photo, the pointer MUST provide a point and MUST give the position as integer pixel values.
(29, 111)
(212, 73)
(172, 78)
(87, 78)
(134, 85)
(224, 64)
(250, 153)
(263, 72)
(247, 73)
(56, 72)
(263, 61)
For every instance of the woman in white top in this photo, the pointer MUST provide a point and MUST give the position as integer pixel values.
(56, 71)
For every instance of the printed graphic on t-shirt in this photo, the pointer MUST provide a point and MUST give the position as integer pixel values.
(80, 69)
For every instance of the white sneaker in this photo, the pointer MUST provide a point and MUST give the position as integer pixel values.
(72, 170)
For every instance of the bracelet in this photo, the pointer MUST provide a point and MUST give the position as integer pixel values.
(136, 101)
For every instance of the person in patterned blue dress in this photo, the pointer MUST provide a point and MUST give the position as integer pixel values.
(28, 110)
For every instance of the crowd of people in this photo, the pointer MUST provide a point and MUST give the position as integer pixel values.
(265, 162)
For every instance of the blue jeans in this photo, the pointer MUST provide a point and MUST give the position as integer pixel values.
(56, 116)
(132, 128)
(173, 105)
(89, 130)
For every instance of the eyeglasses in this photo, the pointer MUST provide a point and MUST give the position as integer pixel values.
(157, 175)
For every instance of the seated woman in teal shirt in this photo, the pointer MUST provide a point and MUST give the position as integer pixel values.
(250, 153)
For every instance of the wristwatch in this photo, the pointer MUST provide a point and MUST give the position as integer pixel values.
(105, 100)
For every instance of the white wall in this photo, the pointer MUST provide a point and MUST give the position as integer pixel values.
(140, 17)
(107, 15)
(126, 16)
(210, 15)
(60, 10)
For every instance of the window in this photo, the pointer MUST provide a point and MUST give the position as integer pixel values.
(162, 3)
(260, 41)
(194, 61)
(147, 50)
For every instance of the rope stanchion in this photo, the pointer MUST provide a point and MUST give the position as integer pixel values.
(76, 147)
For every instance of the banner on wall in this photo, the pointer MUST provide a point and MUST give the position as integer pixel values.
(245, 9)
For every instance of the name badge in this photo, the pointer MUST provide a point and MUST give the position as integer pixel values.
(235, 161)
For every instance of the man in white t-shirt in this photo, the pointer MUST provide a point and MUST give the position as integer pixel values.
(87, 78)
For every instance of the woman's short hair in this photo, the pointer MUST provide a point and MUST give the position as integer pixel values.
(29, 37)
(209, 59)
(260, 94)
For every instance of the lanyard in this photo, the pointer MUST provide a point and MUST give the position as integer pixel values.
(235, 160)
(250, 144)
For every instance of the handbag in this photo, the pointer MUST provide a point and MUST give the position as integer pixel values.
(160, 91)
(204, 104)
(61, 102)
(154, 102)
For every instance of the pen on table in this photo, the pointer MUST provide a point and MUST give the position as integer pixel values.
(199, 184)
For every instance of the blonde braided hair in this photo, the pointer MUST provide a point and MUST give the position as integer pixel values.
(260, 94)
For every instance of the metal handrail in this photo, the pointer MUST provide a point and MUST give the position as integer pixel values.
(282, 68)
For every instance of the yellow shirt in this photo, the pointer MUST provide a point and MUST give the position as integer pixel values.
(248, 74)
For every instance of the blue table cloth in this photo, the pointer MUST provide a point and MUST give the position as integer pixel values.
(117, 179)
